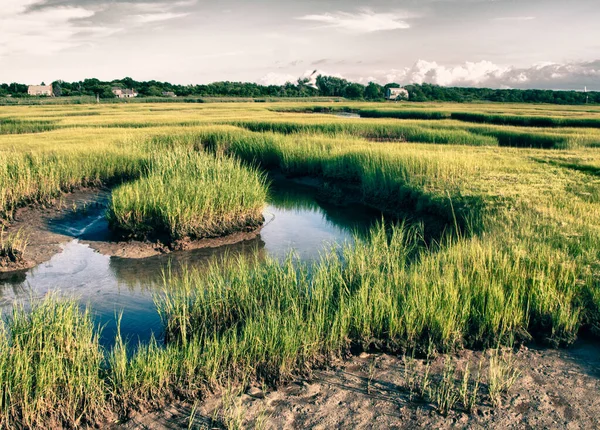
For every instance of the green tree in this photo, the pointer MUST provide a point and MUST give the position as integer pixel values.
(354, 91)
(57, 88)
(374, 91)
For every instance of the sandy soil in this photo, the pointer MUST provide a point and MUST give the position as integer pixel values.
(557, 389)
(44, 240)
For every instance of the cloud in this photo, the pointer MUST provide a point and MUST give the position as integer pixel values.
(42, 32)
(273, 78)
(364, 21)
(487, 74)
(35, 27)
(514, 18)
(156, 17)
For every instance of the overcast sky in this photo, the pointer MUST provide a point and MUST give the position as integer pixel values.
(499, 43)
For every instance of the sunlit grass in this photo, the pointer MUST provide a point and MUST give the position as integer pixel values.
(519, 262)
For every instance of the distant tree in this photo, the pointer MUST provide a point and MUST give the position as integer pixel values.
(154, 91)
(328, 86)
(374, 91)
(105, 92)
(354, 91)
(331, 86)
(57, 88)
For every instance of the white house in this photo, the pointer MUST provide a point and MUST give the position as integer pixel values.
(40, 90)
(124, 93)
(396, 94)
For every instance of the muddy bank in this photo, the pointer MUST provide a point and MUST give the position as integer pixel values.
(556, 389)
(80, 215)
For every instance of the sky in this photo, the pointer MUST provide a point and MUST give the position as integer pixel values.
(552, 44)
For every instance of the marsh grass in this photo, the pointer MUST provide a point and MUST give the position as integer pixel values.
(188, 194)
(17, 126)
(374, 131)
(50, 366)
(12, 246)
(521, 266)
(526, 121)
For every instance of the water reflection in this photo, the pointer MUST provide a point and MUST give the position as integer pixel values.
(296, 220)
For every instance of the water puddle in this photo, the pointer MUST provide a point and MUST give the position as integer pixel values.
(347, 115)
(295, 221)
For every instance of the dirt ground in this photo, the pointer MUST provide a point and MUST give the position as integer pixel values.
(557, 389)
(76, 216)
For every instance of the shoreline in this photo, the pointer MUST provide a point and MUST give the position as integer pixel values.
(37, 221)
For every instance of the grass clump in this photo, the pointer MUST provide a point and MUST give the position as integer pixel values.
(410, 132)
(403, 114)
(526, 120)
(18, 126)
(187, 194)
(12, 247)
(50, 365)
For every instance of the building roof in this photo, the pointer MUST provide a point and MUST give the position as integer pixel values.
(124, 90)
(40, 88)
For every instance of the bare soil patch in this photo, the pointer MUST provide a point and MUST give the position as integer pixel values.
(557, 389)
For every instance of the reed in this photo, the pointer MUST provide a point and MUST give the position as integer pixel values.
(50, 367)
(519, 265)
(187, 194)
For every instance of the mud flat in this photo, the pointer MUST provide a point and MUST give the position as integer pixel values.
(556, 389)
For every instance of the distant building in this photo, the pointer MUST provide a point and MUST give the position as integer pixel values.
(40, 90)
(124, 93)
(396, 94)
(168, 94)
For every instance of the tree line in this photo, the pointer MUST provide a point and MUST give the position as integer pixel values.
(327, 86)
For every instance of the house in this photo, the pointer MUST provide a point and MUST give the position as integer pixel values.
(124, 93)
(168, 94)
(40, 90)
(396, 94)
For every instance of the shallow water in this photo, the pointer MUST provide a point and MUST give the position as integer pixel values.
(295, 220)
(347, 114)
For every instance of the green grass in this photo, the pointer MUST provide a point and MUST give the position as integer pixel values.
(376, 132)
(520, 264)
(14, 126)
(12, 246)
(526, 121)
(188, 194)
(50, 367)
(38, 177)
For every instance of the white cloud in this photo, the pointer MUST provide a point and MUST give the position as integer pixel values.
(488, 74)
(514, 18)
(156, 17)
(365, 21)
(43, 31)
(273, 78)
(431, 72)
(47, 30)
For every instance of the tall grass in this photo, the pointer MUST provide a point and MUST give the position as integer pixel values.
(38, 177)
(526, 121)
(50, 367)
(187, 194)
(390, 178)
(385, 292)
(377, 132)
(522, 265)
(17, 126)
(12, 246)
